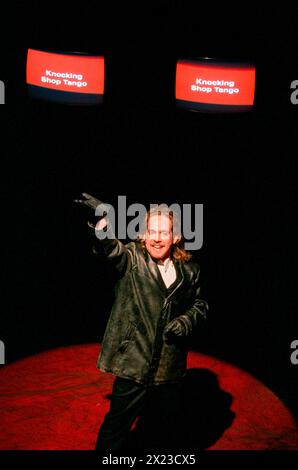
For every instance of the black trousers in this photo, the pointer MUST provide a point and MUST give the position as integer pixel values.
(158, 409)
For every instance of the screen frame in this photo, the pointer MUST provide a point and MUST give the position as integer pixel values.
(62, 96)
(213, 108)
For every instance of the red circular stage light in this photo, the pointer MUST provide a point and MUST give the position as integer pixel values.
(56, 400)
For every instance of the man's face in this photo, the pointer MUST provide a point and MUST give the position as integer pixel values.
(159, 236)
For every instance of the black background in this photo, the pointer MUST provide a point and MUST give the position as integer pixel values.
(243, 168)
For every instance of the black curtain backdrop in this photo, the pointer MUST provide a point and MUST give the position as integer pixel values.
(243, 168)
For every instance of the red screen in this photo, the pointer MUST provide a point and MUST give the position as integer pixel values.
(216, 84)
(66, 72)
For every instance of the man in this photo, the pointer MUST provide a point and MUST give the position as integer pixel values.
(157, 307)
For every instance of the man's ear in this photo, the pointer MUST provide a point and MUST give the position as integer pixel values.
(176, 239)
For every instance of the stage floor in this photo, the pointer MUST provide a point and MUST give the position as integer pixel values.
(56, 400)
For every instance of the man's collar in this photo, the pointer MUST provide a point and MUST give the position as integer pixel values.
(165, 263)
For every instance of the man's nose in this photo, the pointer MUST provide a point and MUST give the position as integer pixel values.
(157, 237)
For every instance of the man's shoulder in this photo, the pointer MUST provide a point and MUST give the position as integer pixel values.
(192, 266)
(135, 248)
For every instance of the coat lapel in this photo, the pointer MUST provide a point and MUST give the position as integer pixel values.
(155, 274)
(181, 277)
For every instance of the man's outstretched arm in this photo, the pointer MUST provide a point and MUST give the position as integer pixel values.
(115, 251)
(105, 239)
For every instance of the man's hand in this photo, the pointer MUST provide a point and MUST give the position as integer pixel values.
(89, 201)
(175, 330)
(92, 203)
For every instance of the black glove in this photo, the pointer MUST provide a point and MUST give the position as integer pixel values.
(92, 203)
(89, 201)
(177, 330)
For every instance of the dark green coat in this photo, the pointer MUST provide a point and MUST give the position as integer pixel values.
(133, 346)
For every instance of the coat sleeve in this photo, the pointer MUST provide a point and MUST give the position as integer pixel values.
(197, 314)
(115, 251)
